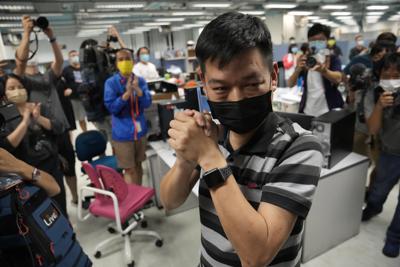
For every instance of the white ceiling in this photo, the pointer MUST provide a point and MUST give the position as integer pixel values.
(92, 17)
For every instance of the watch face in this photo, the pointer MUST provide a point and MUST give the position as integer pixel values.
(216, 176)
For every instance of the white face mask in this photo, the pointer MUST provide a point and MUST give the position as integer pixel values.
(390, 85)
(360, 42)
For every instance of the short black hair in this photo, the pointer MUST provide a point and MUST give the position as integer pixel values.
(229, 35)
(4, 80)
(318, 28)
(387, 36)
(138, 51)
(391, 60)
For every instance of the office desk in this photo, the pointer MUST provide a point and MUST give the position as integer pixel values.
(335, 215)
(160, 159)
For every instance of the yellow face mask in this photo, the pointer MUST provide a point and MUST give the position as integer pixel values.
(125, 67)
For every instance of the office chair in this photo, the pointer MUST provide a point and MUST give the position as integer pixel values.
(120, 202)
(91, 144)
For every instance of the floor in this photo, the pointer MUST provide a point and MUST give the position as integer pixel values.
(181, 235)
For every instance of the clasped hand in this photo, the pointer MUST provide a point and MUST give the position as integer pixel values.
(194, 136)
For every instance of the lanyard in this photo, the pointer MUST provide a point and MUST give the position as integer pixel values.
(134, 113)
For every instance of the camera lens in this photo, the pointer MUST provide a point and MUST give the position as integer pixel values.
(311, 62)
(42, 23)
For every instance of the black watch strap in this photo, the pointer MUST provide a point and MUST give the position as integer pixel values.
(217, 176)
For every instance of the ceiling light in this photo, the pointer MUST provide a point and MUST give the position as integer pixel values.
(10, 25)
(373, 17)
(97, 22)
(331, 7)
(341, 13)
(106, 15)
(119, 6)
(192, 25)
(277, 5)
(376, 7)
(96, 27)
(212, 5)
(169, 19)
(156, 23)
(10, 18)
(313, 17)
(178, 28)
(394, 18)
(51, 14)
(253, 12)
(343, 17)
(375, 13)
(300, 13)
(16, 7)
(188, 13)
(202, 22)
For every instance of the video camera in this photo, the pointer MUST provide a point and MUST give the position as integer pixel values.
(360, 77)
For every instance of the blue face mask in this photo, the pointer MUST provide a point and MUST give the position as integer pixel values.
(144, 57)
(319, 45)
(294, 49)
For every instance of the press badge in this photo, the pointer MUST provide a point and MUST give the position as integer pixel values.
(138, 126)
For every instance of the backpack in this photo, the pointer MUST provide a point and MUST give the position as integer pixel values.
(41, 227)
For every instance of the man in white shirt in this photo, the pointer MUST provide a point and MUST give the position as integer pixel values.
(320, 93)
(144, 68)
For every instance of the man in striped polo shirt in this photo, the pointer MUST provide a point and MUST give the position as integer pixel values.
(256, 187)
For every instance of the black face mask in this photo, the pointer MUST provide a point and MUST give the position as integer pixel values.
(244, 115)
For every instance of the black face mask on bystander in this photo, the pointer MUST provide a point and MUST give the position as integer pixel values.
(244, 115)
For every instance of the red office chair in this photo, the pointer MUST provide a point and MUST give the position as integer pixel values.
(120, 202)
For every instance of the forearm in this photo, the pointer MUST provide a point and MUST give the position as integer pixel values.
(58, 59)
(44, 122)
(18, 134)
(333, 76)
(46, 181)
(22, 54)
(247, 230)
(293, 78)
(374, 122)
(177, 185)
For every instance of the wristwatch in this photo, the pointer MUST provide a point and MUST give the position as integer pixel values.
(52, 40)
(35, 175)
(217, 176)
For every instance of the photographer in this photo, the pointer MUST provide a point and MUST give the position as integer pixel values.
(42, 87)
(31, 137)
(383, 116)
(321, 73)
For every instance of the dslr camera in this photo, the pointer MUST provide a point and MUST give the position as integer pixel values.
(41, 22)
(313, 55)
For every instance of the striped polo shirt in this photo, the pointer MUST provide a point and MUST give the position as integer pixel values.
(280, 165)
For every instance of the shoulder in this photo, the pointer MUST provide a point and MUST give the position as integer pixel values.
(299, 142)
(111, 80)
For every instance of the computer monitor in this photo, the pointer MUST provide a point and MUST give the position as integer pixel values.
(305, 121)
(166, 112)
(196, 99)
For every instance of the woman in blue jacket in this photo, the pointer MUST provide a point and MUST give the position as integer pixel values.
(126, 96)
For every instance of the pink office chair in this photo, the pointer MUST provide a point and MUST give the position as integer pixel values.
(120, 202)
